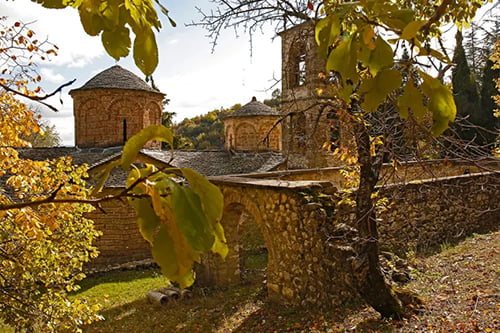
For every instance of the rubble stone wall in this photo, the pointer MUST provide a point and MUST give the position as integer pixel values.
(296, 273)
(429, 213)
(299, 271)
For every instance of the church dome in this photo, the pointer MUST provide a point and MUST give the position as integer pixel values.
(254, 108)
(117, 77)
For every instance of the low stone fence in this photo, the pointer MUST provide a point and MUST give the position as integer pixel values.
(293, 216)
(433, 212)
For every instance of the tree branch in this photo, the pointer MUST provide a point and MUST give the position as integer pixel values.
(39, 99)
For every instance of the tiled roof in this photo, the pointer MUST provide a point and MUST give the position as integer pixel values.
(80, 156)
(216, 163)
(254, 108)
(208, 163)
(116, 77)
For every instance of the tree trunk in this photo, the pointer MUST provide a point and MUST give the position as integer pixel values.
(370, 279)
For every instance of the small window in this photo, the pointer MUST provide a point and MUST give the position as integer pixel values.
(300, 70)
(124, 130)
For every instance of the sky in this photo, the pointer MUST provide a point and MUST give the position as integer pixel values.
(195, 79)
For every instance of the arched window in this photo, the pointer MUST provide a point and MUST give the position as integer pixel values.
(296, 66)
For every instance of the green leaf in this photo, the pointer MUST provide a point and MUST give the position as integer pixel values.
(411, 30)
(166, 257)
(343, 59)
(212, 202)
(211, 197)
(377, 89)
(327, 30)
(145, 51)
(55, 4)
(430, 52)
(395, 18)
(117, 43)
(220, 243)
(378, 58)
(412, 99)
(441, 103)
(192, 221)
(147, 220)
(110, 12)
(136, 142)
(91, 19)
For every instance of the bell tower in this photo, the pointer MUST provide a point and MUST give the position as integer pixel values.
(310, 123)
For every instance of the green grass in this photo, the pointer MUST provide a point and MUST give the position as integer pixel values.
(126, 308)
(119, 287)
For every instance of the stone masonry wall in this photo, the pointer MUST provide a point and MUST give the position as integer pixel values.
(433, 212)
(121, 241)
(104, 117)
(253, 133)
(296, 273)
(427, 213)
(293, 224)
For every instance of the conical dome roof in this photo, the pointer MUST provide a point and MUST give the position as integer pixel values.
(254, 108)
(117, 77)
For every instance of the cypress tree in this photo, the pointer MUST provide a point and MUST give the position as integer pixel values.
(465, 92)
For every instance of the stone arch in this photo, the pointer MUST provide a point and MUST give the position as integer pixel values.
(152, 115)
(214, 270)
(296, 64)
(246, 137)
(90, 122)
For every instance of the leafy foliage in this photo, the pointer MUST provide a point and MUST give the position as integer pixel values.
(19, 49)
(115, 21)
(376, 49)
(42, 247)
(180, 222)
(47, 136)
(202, 132)
(362, 41)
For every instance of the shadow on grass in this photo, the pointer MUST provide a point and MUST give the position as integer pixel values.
(221, 312)
(198, 314)
(272, 317)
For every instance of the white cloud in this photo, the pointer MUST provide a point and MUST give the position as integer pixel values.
(61, 27)
(51, 76)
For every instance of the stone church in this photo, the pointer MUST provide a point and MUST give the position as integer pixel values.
(116, 104)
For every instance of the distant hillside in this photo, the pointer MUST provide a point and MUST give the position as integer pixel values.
(205, 132)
